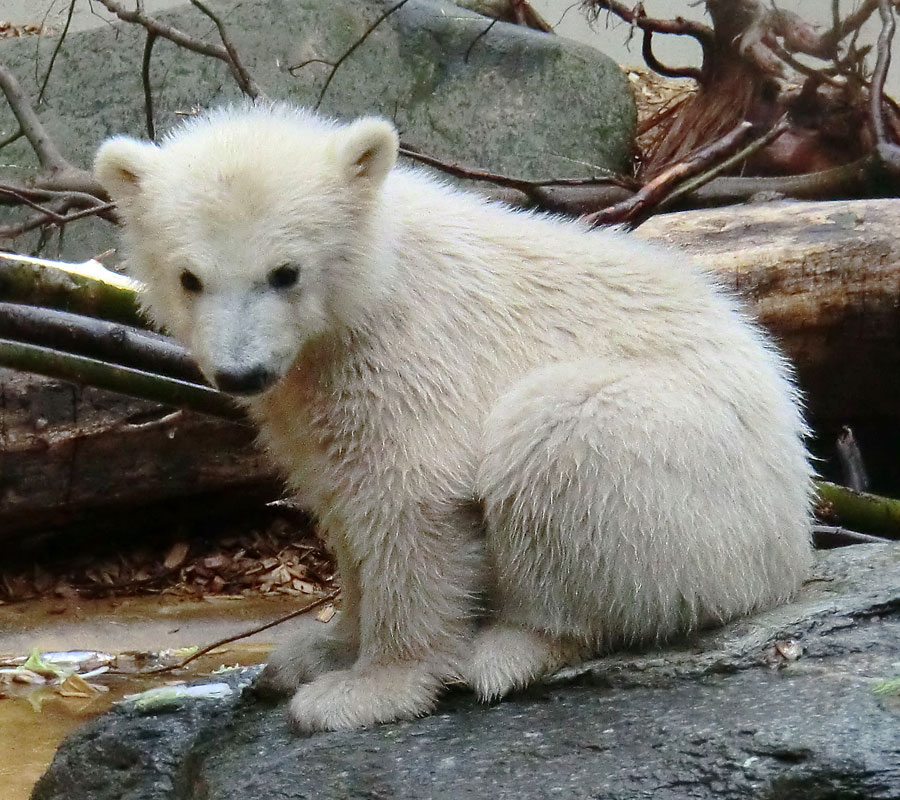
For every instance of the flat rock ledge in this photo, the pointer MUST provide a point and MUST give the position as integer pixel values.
(788, 704)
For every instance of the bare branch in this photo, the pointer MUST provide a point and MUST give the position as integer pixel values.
(160, 28)
(104, 375)
(881, 69)
(13, 137)
(352, 49)
(49, 156)
(686, 176)
(828, 536)
(55, 217)
(521, 184)
(145, 82)
(852, 23)
(636, 17)
(56, 49)
(669, 72)
(248, 86)
(321, 601)
(224, 52)
(11, 191)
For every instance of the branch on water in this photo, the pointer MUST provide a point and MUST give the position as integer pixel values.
(333, 595)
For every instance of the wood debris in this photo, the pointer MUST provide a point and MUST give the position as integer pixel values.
(282, 556)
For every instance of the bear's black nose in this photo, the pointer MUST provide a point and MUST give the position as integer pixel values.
(242, 381)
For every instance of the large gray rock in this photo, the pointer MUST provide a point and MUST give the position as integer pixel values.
(459, 86)
(729, 716)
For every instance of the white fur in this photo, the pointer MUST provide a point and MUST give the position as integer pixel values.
(526, 441)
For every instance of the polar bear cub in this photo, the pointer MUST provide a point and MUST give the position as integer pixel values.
(525, 441)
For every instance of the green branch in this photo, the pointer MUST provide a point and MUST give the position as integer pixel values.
(100, 339)
(132, 382)
(87, 289)
(861, 511)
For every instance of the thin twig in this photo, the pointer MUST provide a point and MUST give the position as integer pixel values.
(85, 198)
(834, 534)
(145, 82)
(881, 68)
(349, 52)
(13, 137)
(55, 53)
(331, 596)
(852, 23)
(521, 184)
(478, 38)
(244, 80)
(23, 199)
(728, 163)
(56, 218)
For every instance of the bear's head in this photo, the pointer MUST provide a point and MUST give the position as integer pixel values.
(255, 230)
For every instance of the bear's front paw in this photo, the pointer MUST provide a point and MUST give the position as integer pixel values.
(312, 651)
(349, 699)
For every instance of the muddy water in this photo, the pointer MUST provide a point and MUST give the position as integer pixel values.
(34, 721)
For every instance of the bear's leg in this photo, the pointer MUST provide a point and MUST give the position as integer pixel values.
(625, 505)
(315, 648)
(420, 568)
(507, 658)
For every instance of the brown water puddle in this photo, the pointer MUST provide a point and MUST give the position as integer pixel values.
(33, 721)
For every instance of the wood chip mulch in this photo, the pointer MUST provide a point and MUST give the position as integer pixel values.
(283, 557)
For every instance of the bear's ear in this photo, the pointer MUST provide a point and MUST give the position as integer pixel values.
(121, 164)
(367, 149)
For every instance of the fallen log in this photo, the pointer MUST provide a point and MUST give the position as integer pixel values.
(70, 454)
(823, 277)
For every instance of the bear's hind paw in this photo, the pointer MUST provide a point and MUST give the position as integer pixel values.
(507, 658)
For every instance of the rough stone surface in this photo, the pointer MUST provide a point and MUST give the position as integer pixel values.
(725, 716)
(459, 86)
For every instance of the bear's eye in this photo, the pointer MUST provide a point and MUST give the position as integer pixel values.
(191, 282)
(283, 277)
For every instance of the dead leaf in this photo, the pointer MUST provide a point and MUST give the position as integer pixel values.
(76, 686)
(176, 555)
